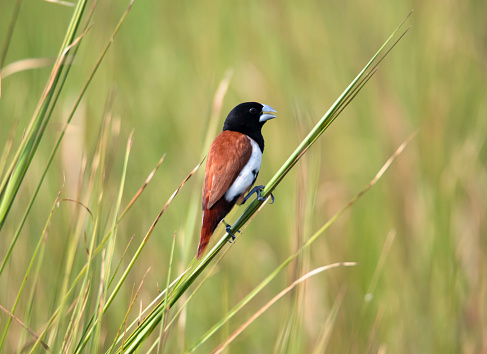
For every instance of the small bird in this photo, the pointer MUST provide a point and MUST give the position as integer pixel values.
(232, 165)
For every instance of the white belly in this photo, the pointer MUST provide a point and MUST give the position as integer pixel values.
(248, 174)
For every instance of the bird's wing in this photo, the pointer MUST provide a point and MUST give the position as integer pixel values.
(228, 155)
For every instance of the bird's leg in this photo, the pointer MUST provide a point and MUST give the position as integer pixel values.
(258, 190)
(227, 229)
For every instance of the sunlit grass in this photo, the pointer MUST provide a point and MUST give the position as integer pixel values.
(171, 75)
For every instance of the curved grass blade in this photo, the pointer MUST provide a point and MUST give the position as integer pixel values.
(31, 264)
(345, 98)
(151, 321)
(32, 333)
(24, 155)
(217, 104)
(60, 138)
(80, 276)
(163, 329)
(313, 238)
(88, 332)
(305, 277)
(10, 31)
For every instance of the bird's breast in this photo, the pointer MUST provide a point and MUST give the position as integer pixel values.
(248, 174)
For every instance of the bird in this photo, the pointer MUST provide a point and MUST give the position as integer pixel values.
(232, 166)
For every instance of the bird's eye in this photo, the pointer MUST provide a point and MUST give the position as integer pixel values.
(252, 111)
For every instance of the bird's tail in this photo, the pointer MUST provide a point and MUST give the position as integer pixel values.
(211, 219)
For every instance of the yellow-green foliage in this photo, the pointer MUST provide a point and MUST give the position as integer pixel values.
(418, 236)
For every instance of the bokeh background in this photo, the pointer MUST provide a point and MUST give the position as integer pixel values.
(418, 236)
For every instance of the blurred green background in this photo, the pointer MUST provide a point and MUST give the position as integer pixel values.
(419, 236)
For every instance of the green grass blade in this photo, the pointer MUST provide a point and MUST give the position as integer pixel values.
(82, 273)
(315, 133)
(302, 279)
(61, 136)
(87, 334)
(111, 246)
(21, 162)
(157, 304)
(31, 264)
(6, 149)
(320, 347)
(10, 31)
(163, 329)
(313, 238)
(147, 326)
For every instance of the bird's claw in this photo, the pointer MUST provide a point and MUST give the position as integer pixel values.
(227, 229)
(262, 199)
(258, 190)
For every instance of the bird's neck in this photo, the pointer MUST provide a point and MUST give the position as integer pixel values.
(259, 139)
(255, 135)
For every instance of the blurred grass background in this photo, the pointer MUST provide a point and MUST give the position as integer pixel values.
(418, 236)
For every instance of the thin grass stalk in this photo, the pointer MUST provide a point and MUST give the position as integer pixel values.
(154, 317)
(95, 343)
(7, 147)
(264, 308)
(325, 121)
(99, 162)
(162, 295)
(163, 329)
(373, 281)
(30, 331)
(320, 347)
(111, 244)
(88, 332)
(48, 164)
(313, 238)
(65, 297)
(18, 167)
(107, 257)
(139, 250)
(307, 180)
(141, 189)
(200, 284)
(26, 64)
(344, 99)
(95, 185)
(148, 325)
(30, 301)
(242, 303)
(195, 203)
(76, 317)
(84, 270)
(124, 322)
(95, 182)
(120, 262)
(102, 243)
(21, 162)
(152, 320)
(61, 136)
(153, 346)
(10, 32)
(60, 139)
(32, 260)
(84, 291)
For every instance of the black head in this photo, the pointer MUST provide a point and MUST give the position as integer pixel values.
(249, 118)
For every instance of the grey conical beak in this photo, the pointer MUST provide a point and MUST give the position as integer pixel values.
(267, 113)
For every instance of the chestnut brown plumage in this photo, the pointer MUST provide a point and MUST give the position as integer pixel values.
(232, 165)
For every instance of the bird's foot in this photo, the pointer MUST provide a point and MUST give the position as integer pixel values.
(258, 190)
(227, 229)
(230, 233)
